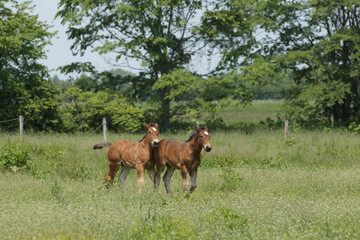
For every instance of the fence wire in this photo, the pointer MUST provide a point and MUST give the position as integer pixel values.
(10, 120)
(97, 128)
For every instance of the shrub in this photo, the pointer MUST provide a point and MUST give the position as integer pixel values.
(247, 128)
(220, 161)
(272, 124)
(354, 127)
(215, 123)
(14, 156)
(85, 112)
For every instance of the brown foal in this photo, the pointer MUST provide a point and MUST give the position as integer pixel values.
(181, 155)
(133, 155)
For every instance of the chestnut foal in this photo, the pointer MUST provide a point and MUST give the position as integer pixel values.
(181, 155)
(133, 155)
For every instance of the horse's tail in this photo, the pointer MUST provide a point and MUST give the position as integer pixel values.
(102, 145)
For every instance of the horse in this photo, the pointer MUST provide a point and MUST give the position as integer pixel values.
(130, 155)
(181, 155)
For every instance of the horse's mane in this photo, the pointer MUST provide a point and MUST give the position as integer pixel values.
(151, 125)
(194, 134)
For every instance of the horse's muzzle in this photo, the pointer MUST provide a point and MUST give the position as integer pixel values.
(208, 148)
(155, 143)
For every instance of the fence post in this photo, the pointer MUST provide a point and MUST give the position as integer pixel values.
(198, 122)
(21, 125)
(104, 129)
(286, 129)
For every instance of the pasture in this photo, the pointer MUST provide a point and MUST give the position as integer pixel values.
(250, 186)
(254, 112)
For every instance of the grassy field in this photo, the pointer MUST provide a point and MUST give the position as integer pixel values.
(250, 186)
(254, 112)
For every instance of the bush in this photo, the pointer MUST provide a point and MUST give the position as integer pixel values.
(14, 157)
(85, 112)
(354, 127)
(215, 123)
(272, 124)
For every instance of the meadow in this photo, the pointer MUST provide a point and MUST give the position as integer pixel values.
(250, 186)
(256, 111)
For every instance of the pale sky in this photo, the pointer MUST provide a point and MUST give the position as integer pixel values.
(59, 53)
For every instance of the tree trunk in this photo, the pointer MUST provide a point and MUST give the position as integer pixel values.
(336, 113)
(355, 95)
(165, 114)
(346, 109)
(346, 105)
(165, 103)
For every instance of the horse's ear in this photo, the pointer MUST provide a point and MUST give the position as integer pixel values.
(146, 126)
(197, 128)
(206, 128)
(157, 125)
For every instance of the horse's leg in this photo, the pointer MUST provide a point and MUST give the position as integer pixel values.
(167, 176)
(160, 164)
(159, 169)
(123, 174)
(151, 172)
(140, 175)
(184, 172)
(193, 174)
(113, 168)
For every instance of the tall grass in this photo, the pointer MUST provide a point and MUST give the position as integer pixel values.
(253, 186)
(303, 149)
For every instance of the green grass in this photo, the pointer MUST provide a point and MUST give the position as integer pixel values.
(254, 112)
(266, 204)
(249, 187)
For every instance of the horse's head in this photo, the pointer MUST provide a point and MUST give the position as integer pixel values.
(204, 137)
(152, 134)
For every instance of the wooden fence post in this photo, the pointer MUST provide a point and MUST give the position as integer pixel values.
(104, 129)
(286, 129)
(21, 125)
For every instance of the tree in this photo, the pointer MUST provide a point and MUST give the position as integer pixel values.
(202, 98)
(86, 83)
(117, 80)
(317, 42)
(60, 84)
(230, 26)
(164, 35)
(321, 40)
(24, 89)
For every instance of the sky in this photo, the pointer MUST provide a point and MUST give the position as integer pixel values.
(59, 53)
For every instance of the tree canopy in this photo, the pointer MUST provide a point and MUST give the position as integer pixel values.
(318, 42)
(164, 35)
(24, 89)
(310, 43)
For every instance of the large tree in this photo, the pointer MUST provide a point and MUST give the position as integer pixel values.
(24, 89)
(164, 35)
(317, 42)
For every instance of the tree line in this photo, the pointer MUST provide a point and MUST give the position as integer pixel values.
(311, 45)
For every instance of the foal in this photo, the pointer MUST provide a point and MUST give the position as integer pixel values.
(181, 155)
(133, 155)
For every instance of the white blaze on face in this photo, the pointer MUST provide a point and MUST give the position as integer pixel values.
(206, 133)
(154, 129)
